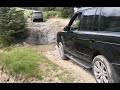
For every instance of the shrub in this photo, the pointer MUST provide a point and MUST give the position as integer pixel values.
(51, 14)
(67, 12)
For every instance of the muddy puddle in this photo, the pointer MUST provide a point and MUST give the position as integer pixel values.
(44, 48)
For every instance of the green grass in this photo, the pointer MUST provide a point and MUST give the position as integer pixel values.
(51, 14)
(26, 12)
(23, 61)
(28, 63)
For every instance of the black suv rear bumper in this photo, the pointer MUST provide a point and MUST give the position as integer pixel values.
(38, 20)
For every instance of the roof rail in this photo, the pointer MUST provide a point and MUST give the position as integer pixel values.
(83, 8)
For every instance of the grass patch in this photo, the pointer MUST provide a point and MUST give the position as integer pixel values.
(65, 76)
(23, 61)
(27, 62)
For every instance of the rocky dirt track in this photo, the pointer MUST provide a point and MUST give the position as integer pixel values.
(80, 74)
(45, 33)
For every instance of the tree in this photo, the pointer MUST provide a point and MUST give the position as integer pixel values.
(12, 26)
(31, 8)
(67, 12)
(46, 8)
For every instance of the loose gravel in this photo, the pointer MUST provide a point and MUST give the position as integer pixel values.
(80, 74)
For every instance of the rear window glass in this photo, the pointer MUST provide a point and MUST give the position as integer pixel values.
(37, 12)
(87, 21)
(110, 19)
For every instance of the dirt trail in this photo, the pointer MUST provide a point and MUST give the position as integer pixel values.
(80, 74)
(45, 32)
(67, 71)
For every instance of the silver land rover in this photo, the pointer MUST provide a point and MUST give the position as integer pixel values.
(36, 16)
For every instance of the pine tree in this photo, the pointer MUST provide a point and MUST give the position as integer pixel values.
(67, 12)
(12, 26)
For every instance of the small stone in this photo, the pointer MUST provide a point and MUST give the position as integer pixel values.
(30, 80)
(25, 44)
(11, 80)
(22, 81)
(56, 80)
(4, 77)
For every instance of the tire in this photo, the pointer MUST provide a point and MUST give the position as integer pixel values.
(103, 71)
(61, 51)
(34, 20)
(42, 20)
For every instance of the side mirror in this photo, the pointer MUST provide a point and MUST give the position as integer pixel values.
(66, 28)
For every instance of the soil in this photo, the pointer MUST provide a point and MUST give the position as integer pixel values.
(79, 73)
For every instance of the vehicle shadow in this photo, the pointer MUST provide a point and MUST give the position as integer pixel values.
(89, 70)
(39, 21)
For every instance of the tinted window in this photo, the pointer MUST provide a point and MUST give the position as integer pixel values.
(87, 21)
(110, 19)
(37, 13)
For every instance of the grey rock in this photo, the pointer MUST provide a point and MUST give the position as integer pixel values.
(11, 80)
(4, 78)
(44, 32)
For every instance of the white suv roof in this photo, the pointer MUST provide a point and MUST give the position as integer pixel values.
(36, 11)
(83, 8)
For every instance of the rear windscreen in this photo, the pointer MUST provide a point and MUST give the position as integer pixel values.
(110, 19)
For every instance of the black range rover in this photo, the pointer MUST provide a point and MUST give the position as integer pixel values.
(92, 39)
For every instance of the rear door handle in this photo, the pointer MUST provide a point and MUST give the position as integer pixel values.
(73, 37)
(92, 40)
